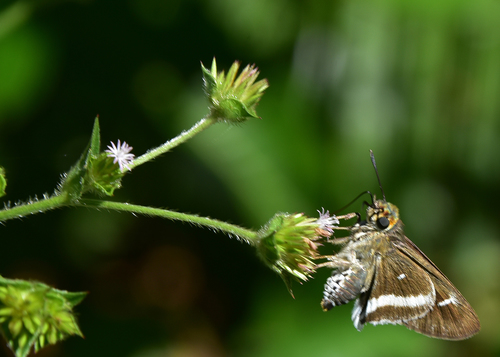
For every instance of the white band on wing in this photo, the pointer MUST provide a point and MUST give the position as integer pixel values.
(400, 301)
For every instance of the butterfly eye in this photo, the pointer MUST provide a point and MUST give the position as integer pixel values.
(382, 223)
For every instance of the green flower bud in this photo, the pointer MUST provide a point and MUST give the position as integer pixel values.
(103, 175)
(233, 99)
(32, 313)
(106, 170)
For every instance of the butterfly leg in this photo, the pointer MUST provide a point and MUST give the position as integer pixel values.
(335, 261)
(338, 241)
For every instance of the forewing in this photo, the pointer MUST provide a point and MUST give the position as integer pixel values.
(452, 317)
(401, 291)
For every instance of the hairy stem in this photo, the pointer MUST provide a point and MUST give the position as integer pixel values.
(33, 207)
(182, 137)
(242, 233)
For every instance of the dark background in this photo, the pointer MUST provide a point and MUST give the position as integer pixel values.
(418, 82)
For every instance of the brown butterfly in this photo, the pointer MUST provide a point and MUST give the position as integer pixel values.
(393, 281)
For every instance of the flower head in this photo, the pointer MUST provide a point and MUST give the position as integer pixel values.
(232, 98)
(106, 170)
(327, 222)
(288, 244)
(121, 154)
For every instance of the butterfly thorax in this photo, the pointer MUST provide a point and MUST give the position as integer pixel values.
(374, 235)
(369, 240)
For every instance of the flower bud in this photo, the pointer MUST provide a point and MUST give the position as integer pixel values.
(233, 99)
(33, 313)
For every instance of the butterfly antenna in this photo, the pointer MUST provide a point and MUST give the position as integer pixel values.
(376, 172)
(354, 200)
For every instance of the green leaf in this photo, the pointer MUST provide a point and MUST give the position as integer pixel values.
(95, 140)
(3, 182)
(71, 298)
(73, 181)
(209, 83)
(233, 109)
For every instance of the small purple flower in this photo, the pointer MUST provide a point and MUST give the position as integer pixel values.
(327, 222)
(121, 154)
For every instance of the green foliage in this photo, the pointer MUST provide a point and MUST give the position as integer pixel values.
(94, 171)
(74, 183)
(33, 315)
(3, 182)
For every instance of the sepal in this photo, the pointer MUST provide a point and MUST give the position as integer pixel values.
(73, 182)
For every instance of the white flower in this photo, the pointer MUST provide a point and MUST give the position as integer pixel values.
(121, 154)
(326, 221)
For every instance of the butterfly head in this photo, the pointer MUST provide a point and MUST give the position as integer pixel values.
(383, 215)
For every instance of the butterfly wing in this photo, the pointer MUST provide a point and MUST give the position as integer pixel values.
(401, 291)
(451, 317)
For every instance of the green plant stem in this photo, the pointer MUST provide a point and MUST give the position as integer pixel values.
(242, 233)
(182, 137)
(33, 207)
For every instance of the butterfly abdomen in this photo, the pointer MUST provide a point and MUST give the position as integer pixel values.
(342, 287)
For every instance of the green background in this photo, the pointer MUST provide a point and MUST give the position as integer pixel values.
(418, 82)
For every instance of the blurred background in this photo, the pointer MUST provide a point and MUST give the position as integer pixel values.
(418, 82)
